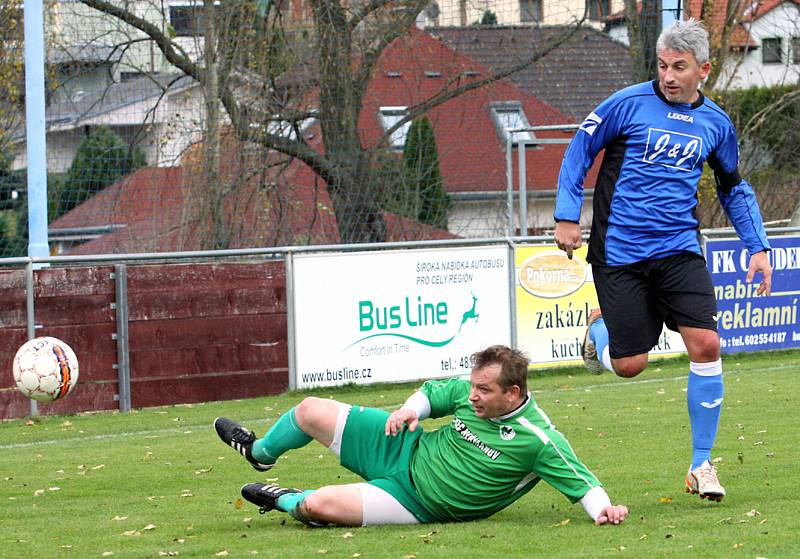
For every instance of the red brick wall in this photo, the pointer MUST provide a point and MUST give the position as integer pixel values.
(196, 332)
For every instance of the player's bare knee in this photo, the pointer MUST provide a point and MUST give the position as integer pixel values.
(629, 367)
(306, 410)
(316, 507)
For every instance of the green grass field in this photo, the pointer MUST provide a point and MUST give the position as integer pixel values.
(158, 483)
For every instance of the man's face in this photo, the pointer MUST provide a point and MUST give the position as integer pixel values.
(679, 75)
(486, 395)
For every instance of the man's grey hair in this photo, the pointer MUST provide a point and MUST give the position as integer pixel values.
(685, 36)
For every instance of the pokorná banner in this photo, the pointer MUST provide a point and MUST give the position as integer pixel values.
(554, 298)
(746, 321)
(390, 316)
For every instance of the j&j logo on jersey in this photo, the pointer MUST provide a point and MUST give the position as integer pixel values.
(679, 116)
(590, 124)
(507, 432)
(672, 149)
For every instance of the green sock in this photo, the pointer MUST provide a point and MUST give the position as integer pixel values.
(291, 501)
(284, 435)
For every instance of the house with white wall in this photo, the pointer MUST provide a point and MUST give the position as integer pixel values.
(461, 13)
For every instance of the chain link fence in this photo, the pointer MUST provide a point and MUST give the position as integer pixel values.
(198, 124)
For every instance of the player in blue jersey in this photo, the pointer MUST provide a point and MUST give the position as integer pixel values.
(644, 248)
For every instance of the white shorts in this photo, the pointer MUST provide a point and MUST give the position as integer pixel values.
(377, 506)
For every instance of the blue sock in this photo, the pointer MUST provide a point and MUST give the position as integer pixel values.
(284, 435)
(704, 394)
(598, 333)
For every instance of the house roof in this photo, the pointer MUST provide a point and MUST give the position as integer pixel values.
(70, 111)
(574, 78)
(274, 204)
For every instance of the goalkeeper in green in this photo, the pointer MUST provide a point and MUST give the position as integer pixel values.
(497, 447)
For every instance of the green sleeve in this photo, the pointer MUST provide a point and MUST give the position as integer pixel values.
(557, 464)
(443, 394)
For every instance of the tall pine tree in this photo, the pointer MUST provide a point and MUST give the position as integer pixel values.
(423, 180)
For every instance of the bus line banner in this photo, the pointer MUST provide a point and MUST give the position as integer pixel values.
(750, 322)
(397, 316)
(554, 296)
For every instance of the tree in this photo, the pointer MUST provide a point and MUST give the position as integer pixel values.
(423, 180)
(12, 71)
(101, 159)
(643, 29)
(488, 18)
(343, 45)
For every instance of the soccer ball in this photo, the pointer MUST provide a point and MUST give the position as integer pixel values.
(45, 369)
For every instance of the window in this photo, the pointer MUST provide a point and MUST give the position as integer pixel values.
(772, 51)
(186, 17)
(795, 50)
(530, 10)
(598, 9)
(510, 116)
(389, 116)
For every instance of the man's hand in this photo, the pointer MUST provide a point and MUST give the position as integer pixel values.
(403, 416)
(613, 514)
(568, 236)
(759, 262)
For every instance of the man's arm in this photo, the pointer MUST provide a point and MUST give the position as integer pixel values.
(740, 205)
(598, 506)
(597, 130)
(435, 398)
(416, 408)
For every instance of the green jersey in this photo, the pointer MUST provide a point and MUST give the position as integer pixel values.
(474, 467)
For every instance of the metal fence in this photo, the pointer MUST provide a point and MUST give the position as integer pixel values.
(286, 254)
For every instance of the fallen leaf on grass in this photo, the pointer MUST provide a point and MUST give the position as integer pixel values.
(347, 535)
(54, 489)
(562, 523)
(665, 500)
(187, 493)
(120, 518)
(322, 551)
(238, 504)
(107, 554)
(38, 492)
(203, 471)
(752, 513)
(149, 527)
(223, 553)
(737, 545)
(131, 533)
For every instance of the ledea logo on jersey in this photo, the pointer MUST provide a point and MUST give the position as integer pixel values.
(552, 274)
(679, 116)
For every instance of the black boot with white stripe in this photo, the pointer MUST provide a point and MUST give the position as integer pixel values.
(240, 439)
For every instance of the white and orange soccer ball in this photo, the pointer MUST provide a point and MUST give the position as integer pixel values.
(45, 369)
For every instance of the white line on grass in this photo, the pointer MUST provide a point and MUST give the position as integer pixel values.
(189, 429)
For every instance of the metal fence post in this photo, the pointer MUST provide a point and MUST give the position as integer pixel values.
(31, 317)
(123, 356)
(290, 345)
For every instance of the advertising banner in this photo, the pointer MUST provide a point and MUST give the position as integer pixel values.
(403, 315)
(746, 321)
(554, 298)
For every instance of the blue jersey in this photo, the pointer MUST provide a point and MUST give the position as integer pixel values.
(646, 192)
